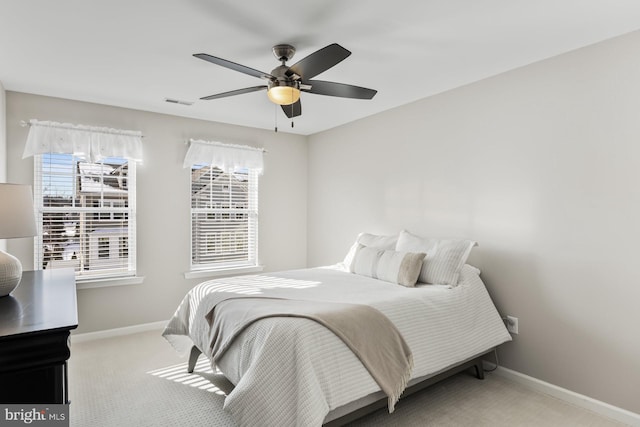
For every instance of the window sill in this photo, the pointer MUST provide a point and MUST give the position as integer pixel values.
(104, 283)
(198, 274)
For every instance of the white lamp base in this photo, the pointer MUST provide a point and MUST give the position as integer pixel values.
(10, 273)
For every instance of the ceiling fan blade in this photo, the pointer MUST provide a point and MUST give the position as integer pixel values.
(292, 110)
(233, 66)
(319, 61)
(234, 92)
(341, 90)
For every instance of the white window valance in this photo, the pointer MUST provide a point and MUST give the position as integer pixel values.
(87, 142)
(227, 157)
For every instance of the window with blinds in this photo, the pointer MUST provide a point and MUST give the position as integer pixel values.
(224, 218)
(86, 215)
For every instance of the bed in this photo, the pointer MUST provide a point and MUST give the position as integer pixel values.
(294, 371)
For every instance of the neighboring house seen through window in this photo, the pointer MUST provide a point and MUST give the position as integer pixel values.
(86, 215)
(224, 218)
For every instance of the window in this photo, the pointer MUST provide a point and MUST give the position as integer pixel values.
(224, 217)
(86, 215)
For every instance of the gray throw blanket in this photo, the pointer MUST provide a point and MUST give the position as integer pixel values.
(366, 331)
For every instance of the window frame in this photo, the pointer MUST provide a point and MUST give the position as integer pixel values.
(125, 276)
(249, 215)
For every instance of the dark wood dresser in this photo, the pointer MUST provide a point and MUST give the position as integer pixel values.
(35, 323)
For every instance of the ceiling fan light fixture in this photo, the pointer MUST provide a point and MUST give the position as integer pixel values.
(284, 95)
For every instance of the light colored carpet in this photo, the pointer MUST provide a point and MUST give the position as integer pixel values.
(138, 380)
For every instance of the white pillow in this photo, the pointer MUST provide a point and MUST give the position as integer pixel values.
(402, 268)
(373, 240)
(445, 257)
(377, 241)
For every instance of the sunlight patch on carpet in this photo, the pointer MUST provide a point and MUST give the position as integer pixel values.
(179, 374)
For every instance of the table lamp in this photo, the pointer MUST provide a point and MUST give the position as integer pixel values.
(17, 219)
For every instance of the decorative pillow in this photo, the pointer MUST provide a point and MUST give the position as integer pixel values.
(445, 257)
(373, 240)
(377, 241)
(402, 268)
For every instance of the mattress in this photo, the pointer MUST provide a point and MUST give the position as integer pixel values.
(293, 371)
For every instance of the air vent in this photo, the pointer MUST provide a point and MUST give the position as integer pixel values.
(177, 101)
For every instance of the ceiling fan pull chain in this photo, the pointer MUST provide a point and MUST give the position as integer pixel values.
(275, 116)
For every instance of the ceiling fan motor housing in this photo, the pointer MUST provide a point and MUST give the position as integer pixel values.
(281, 78)
(284, 82)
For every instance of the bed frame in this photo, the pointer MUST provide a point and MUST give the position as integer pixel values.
(371, 403)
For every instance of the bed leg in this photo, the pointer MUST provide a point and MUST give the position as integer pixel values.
(479, 369)
(193, 358)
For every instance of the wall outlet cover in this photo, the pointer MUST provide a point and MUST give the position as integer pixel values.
(512, 324)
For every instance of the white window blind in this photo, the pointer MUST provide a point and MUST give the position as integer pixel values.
(86, 213)
(224, 205)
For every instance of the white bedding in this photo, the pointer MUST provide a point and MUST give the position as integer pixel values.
(293, 371)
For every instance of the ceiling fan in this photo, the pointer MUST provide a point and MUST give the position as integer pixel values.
(285, 83)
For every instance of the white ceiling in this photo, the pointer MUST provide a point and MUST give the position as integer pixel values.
(136, 53)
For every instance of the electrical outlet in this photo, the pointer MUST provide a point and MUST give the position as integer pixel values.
(512, 324)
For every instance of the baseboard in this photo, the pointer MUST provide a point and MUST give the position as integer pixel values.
(580, 400)
(109, 333)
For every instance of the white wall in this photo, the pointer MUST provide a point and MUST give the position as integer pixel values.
(3, 147)
(3, 135)
(163, 202)
(541, 166)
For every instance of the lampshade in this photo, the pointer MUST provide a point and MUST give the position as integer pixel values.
(283, 95)
(17, 219)
(16, 211)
